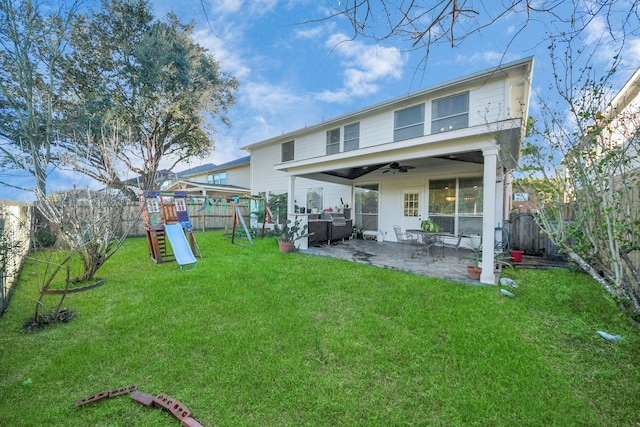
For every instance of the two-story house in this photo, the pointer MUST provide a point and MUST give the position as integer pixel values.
(444, 152)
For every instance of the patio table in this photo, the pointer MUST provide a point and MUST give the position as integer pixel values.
(430, 240)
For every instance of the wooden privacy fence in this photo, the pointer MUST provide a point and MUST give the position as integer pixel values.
(214, 215)
(526, 235)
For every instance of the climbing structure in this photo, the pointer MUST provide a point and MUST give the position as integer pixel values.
(160, 209)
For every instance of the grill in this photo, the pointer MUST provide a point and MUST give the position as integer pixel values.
(337, 219)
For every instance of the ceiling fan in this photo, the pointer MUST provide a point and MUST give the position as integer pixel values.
(395, 166)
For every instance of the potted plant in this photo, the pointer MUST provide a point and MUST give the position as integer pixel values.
(289, 232)
(358, 233)
(429, 226)
(500, 259)
(474, 270)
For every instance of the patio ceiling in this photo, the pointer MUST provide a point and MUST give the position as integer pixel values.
(353, 173)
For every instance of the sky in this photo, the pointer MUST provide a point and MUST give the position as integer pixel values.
(296, 69)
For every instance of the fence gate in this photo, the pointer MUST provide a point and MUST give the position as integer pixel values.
(527, 236)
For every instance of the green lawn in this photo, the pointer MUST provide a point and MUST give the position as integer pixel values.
(255, 337)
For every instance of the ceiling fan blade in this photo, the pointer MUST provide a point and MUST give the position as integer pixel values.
(407, 167)
(386, 170)
(402, 170)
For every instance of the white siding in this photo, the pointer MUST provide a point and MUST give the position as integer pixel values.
(376, 130)
(266, 179)
(240, 176)
(263, 177)
(202, 177)
(311, 145)
(488, 103)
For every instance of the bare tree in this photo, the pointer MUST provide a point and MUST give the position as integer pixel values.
(423, 24)
(581, 166)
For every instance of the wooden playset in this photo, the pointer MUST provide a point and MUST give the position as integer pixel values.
(160, 209)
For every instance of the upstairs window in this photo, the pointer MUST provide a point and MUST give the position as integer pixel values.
(352, 137)
(287, 151)
(220, 178)
(409, 123)
(450, 113)
(333, 141)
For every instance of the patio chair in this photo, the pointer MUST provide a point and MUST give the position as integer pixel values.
(455, 245)
(404, 239)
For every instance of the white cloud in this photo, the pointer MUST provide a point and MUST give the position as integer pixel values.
(595, 30)
(334, 97)
(310, 33)
(268, 97)
(227, 6)
(632, 54)
(489, 57)
(225, 51)
(366, 66)
(247, 7)
(263, 111)
(315, 32)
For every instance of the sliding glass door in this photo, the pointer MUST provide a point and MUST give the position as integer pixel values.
(366, 206)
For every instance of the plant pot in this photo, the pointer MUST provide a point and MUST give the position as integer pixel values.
(474, 272)
(516, 256)
(285, 247)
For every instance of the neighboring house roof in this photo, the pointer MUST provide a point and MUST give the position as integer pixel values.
(618, 121)
(210, 167)
(625, 97)
(235, 163)
(197, 170)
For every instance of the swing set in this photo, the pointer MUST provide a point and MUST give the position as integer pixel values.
(257, 209)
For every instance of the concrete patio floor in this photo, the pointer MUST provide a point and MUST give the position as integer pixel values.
(396, 256)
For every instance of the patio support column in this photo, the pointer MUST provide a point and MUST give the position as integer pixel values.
(291, 211)
(500, 186)
(489, 214)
